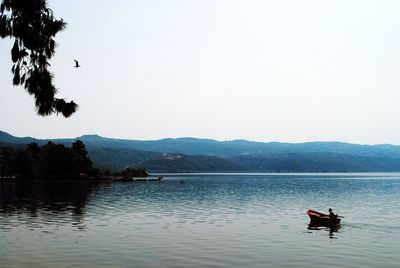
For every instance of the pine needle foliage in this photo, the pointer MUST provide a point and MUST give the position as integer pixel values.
(33, 27)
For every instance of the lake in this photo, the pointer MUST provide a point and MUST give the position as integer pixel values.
(202, 220)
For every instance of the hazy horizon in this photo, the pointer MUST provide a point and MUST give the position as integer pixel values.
(286, 71)
(193, 137)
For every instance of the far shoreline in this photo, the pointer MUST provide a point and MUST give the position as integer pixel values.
(331, 174)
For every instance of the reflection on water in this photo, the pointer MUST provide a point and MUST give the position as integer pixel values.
(44, 203)
(332, 230)
(192, 221)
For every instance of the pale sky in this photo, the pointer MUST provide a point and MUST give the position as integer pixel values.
(289, 71)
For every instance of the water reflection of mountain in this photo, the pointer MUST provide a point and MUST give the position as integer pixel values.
(46, 201)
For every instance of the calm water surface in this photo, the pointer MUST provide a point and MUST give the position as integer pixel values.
(202, 221)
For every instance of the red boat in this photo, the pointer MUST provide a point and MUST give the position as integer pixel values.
(321, 219)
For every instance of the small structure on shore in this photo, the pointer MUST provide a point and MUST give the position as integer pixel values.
(148, 179)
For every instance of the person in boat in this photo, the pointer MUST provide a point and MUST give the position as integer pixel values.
(332, 215)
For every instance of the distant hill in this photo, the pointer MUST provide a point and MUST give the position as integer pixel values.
(119, 158)
(188, 163)
(193, 146)
(7, 138)
(318, 162)
(206, 155)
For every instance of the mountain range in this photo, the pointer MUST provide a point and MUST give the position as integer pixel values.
(207, 155)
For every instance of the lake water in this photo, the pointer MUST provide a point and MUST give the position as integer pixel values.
(202, 221)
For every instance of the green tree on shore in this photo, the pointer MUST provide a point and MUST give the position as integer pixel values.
(6, 162)
(50, 161)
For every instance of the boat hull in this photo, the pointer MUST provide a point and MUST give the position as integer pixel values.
(320, 219)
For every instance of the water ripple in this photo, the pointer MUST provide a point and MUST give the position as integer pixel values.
(213, 221)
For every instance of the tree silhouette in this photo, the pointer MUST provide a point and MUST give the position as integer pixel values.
(50, 161)
(81, 160)
(6, 161)
(33, 26)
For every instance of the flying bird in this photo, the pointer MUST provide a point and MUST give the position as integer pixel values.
(76, 64)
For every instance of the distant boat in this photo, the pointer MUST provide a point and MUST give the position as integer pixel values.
(321, 219)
